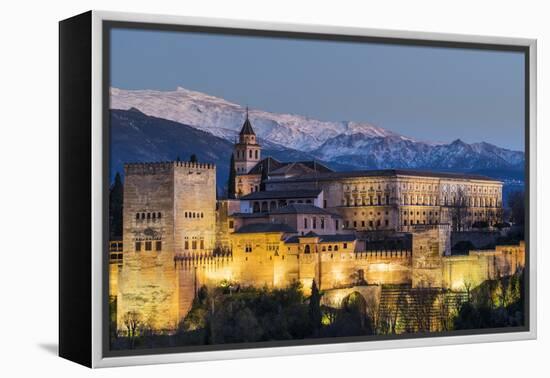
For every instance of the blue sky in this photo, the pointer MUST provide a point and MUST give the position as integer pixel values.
(429, 93)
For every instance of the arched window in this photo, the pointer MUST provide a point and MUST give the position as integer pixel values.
(159, 215)
(137, 216)
(330, 248)
(185, 214)
(256, 154)
(335, 248)
(307, 249)
(142, 215)
(250, 154)
(256, 207)
(202, 215)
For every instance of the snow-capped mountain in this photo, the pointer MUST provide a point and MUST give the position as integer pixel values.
(353, 144)
(224, 119)
(394, 152)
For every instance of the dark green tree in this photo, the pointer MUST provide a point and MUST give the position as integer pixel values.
(231, 179)
(193, 158)
(314, 310)
(116, 193)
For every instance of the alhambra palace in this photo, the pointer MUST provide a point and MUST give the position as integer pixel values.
(361, 231)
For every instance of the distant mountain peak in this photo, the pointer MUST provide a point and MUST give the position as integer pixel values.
(357, 144)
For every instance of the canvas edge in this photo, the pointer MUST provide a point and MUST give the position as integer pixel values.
(98, 360)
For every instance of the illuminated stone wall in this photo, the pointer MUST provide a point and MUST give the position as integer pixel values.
(169, 210)
(460, 272)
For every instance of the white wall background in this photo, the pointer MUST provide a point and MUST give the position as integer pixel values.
(28, 207)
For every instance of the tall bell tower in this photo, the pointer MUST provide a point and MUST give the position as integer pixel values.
(247, 151)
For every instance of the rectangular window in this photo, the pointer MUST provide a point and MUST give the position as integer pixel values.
(314, 223)
(305, 222)
(186, 244)
(194, 244)
(158, 245)
(322, 223)
(362, 223)
(371, 224)
(325, 204)
(387, 222)
(231, 225)
(345, 245)
(148, 245)
(202, 244)
(355, 224)
(138, 246)
(337, 224)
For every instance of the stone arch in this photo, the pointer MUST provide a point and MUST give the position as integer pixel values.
(355, 301)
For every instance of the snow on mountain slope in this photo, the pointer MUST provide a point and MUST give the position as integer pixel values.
(392, 152)
(359, 145)
(223, 118)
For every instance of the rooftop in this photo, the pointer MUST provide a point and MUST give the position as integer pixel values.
(282, 194)
(327, 176)
(302, 208)
(322, 238)
(247, 126)
(265, 228)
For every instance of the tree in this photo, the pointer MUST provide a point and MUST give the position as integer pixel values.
(516, 202)
(193, 158)
(132, 322)
(459, 210)
(231, 180)
(116, 196)
(314, 310)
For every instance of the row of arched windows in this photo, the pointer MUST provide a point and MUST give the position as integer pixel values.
(242, 154)
(148, 215)
(193, 214)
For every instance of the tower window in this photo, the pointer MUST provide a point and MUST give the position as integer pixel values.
(256, 154)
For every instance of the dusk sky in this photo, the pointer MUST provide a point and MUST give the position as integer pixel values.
(429, 93)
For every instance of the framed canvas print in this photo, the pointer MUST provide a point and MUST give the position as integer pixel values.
(232, 189)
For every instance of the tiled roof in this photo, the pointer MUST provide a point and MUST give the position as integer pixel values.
(323, 238)
(250, 215)
(265, 227)
(302, 208)
(247, 128)
(282, 194)
(327, 176)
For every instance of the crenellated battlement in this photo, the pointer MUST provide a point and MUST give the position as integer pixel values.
(164, 166)
(187, 260)
(384, 254)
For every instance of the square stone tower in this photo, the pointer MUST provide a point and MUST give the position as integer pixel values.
(169, 210)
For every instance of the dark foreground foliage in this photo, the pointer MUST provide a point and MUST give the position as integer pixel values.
(494, 304)
(232, 314)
